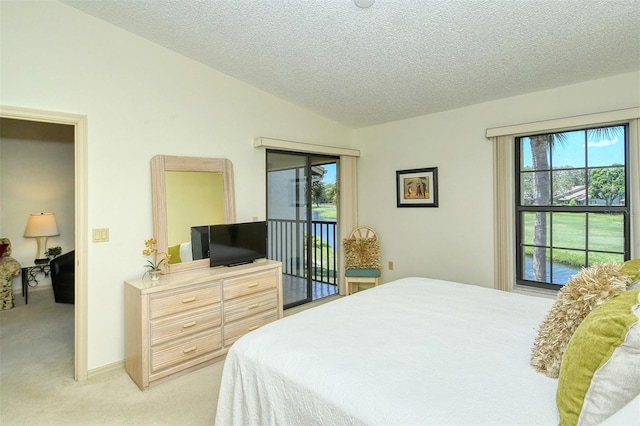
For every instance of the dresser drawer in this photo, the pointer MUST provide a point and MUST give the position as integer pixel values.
(250, 283)
(185, 324)
(242, 307)
(190, 318)
(235, 330)
(180, 301)
(170, 354)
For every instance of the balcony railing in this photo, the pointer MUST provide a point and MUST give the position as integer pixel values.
(288, 244)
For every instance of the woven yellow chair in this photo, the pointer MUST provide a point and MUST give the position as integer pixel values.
(362, 258)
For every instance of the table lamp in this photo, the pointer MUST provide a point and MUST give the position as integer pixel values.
(41, 226)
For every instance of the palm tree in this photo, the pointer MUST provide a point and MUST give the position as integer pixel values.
(541, 145)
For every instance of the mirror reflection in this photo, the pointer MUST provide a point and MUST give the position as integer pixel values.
(187, 193)
(193, 200)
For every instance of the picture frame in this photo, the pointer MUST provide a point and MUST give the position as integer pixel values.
(417, 187)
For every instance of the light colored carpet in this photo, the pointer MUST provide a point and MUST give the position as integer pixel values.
(37, 385)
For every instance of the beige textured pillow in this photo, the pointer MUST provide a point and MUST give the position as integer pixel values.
(362, 253)
(586, 290)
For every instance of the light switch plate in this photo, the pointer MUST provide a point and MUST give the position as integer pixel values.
(100, 235)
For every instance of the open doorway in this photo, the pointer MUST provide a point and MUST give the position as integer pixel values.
(79, 125)
(302, 218)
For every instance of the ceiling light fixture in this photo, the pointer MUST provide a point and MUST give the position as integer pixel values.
(364, 3)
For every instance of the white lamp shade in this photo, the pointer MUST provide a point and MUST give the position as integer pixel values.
(42, 225)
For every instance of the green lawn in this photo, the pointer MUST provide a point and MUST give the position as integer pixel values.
(570, 231)
(329, 212)
(326, 211)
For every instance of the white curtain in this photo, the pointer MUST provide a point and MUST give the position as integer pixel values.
(634, 178)
(348, 208)
(504, 218)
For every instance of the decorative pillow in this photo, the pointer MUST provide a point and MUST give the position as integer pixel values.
(632, 268)
(186, 255)
(586, 290)
(600, 370)
(174, 253)
(3, 248)
(362, 253)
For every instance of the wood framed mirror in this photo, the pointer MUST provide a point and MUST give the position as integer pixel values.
(186, 192)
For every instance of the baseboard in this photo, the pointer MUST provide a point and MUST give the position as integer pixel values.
(119, 365)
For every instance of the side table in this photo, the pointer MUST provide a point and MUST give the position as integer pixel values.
(30, 277)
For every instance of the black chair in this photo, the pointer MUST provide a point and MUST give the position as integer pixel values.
(63, 271)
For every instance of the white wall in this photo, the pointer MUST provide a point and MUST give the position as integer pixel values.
(141, 100)
(455, 241)
(37, 175)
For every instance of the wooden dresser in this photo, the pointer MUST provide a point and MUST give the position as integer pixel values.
(187, 320)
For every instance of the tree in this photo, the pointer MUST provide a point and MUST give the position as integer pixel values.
(541, 145)
(318, 192)
(565, 180)
(330, 191)
(606, 184)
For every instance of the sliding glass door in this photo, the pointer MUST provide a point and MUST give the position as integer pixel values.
(302, 220)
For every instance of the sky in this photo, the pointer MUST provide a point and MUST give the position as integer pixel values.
(330, 175)
(602, 151)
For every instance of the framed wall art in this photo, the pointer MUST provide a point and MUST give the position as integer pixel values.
(417, 187)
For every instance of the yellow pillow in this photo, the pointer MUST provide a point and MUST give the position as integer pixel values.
(174, 253)
(632, 268)
(600, 371)
(586, 290)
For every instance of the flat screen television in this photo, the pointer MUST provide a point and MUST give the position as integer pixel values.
(200, 242)
(237, 243)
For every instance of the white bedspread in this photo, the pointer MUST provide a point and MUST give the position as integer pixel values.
(414, 351)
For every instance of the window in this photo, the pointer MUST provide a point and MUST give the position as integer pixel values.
(571, 203)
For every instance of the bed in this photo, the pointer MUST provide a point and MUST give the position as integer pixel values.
(414, 351)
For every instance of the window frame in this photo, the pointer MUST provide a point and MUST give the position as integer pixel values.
(503, 146)
(551, 207)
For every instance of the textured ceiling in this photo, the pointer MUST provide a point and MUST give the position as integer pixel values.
(396, 59)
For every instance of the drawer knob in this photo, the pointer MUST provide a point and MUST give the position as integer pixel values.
(253, 327)
(189, 324)
(189, 350)
(189, 299)
(255, 305)
(252, 285)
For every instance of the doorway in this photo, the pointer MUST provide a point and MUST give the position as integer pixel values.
(79, 123)
(302, 218)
